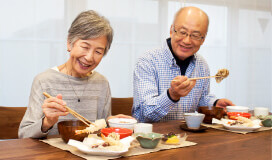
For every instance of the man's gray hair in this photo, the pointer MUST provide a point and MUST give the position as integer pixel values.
(90, 24)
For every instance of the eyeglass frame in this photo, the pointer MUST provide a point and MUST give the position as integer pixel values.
(187, 34)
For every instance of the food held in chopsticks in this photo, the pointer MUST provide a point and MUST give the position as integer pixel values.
(221, 74)
(97, 125)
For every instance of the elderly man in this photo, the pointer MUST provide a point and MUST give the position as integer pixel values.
(162, 90)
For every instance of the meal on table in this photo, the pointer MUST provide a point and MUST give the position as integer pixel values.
(111, 142)
(242, 121)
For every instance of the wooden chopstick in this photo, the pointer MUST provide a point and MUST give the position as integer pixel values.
(74, 113)
(197, 78)
(203, 77)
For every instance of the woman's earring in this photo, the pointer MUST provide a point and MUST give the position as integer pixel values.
(68, 50)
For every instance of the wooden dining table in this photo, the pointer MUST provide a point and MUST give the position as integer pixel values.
(212, 144)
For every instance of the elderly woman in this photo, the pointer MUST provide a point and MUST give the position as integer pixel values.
(74, 83)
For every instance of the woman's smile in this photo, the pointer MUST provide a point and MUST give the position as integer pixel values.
(82, 65)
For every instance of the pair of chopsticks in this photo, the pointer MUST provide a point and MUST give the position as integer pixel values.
(74, 113)
(197, 78)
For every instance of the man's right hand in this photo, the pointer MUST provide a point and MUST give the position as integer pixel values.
(181, 86)
(53, 107)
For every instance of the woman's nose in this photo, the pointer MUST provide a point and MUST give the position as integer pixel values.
(90, 56)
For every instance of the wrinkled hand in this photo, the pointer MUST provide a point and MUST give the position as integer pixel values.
(53, 108)
(181, 86)
(120, 116)
(223, 103)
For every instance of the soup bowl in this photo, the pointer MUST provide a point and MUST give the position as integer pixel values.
(211, 112)
(67, 130)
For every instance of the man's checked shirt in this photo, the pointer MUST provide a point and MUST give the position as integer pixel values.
(152, 78)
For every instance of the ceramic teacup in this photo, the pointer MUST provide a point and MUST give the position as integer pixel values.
(261, 111)
(143, 128)
(193, 120)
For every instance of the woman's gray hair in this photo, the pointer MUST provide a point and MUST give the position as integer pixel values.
(90, 24)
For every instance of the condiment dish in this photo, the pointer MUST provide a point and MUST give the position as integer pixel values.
(148, 140)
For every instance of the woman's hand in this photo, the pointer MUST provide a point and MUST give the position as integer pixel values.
(53, 108)
(120, 116)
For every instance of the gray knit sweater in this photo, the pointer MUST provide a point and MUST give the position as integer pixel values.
(95, 102)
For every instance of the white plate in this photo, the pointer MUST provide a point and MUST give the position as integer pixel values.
(241, 128)
(85, 148)
(225, 123)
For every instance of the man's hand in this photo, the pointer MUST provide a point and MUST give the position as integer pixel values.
(181, 86)
(223, 103)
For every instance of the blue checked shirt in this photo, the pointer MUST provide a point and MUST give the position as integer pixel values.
(152, 78)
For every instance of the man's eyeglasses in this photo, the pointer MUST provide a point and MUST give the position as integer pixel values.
(183, 34)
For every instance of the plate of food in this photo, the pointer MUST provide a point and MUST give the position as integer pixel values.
(241, 124)
(103, 146)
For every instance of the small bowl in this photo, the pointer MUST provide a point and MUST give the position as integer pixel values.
(194, 120)
(67, 130)
(143, 128)
(267, 122)
(234, 115)
(210, 113)
(123, 132)
(148, 140)
(122, 123)
(237, 109)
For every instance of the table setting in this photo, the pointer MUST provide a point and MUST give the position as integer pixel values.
(124, 137)
(237, 119)
(105, 145)
(254, 145)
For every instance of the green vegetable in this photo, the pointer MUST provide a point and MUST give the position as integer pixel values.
(267, 122)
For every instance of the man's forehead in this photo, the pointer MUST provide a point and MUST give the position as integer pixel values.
(192, 22)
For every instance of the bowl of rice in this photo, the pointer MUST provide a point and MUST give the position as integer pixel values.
(122, 123)
(237, 109)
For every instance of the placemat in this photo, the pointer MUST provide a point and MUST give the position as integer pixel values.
(136, 150)
(221, 127)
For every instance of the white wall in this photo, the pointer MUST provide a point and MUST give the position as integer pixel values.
(33, 37)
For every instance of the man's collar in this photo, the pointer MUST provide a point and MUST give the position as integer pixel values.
(174, 58)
